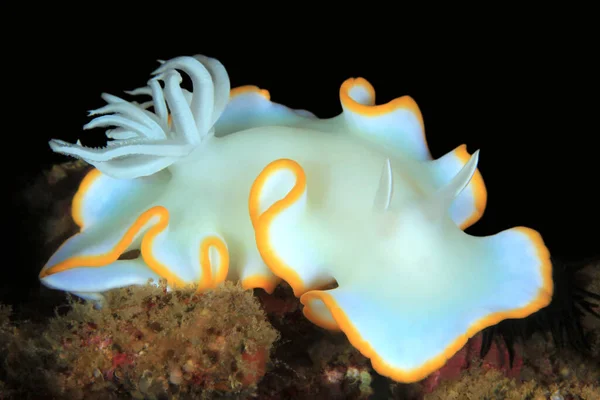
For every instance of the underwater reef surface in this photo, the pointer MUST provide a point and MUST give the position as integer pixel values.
(230, 343)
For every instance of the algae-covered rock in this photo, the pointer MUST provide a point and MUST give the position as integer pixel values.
(148, 343)
(493, 385)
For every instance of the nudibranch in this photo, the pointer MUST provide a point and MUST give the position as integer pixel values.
(215, 183)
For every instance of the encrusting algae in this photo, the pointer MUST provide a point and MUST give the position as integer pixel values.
(492, 385)
(148, 343)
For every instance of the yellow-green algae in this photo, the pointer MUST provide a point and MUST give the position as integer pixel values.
(144, 342)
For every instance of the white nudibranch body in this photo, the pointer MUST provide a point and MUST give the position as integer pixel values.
(218, 184)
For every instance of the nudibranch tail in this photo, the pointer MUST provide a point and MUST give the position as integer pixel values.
(90, 262)
(98, 247)
(88, 282)
(143, 142)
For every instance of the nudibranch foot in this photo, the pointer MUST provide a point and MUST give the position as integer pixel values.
(255, 274)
